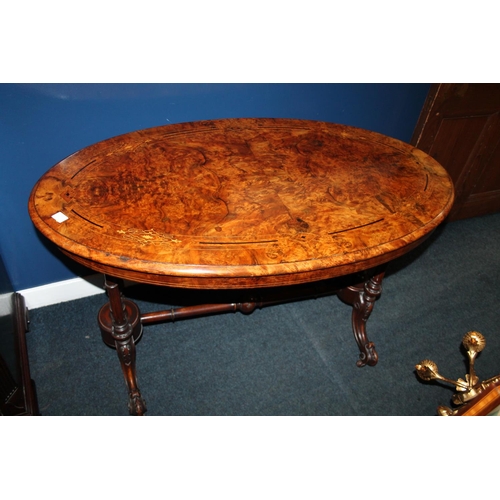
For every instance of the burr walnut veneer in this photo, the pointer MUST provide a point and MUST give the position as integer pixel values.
(250, 205)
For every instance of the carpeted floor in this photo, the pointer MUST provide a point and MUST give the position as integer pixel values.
(291, 359)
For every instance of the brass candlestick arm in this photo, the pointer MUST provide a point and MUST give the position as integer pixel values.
(467, 389)
(428, 370)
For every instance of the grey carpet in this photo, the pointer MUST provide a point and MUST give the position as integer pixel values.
(291, 359)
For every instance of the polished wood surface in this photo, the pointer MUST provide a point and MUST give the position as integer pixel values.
(241, 203)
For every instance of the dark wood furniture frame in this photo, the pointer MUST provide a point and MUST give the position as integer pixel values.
(17, 389)
(121, 322)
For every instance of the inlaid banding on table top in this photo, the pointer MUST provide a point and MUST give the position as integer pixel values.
(258, 242)
(83, 168)
(426, 182)
(86, 220)
(356, 227)
(241, 192)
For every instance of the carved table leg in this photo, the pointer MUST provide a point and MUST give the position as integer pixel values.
(362, 298)
(121, 328)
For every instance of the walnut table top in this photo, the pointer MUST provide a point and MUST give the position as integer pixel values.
(241, 203)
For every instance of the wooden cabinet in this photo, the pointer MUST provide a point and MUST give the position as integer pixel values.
(460, 127)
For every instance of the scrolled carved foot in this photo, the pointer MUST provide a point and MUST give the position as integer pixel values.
(136, 404)
(368, 355)
(362, 298)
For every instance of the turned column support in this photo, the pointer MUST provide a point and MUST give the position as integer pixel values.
(121, 328)
(362, 298)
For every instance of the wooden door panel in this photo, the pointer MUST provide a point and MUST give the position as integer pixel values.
(460, 127)
(455, 141)
(491, 174)
(485, 195)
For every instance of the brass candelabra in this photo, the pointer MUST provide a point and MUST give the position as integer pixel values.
(468, 388)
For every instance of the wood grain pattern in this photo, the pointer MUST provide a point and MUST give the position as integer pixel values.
(241, 203)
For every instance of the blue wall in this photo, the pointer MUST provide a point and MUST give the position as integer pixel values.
(40, 124)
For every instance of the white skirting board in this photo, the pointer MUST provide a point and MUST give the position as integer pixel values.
(63, 291)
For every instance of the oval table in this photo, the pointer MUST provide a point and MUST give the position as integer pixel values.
(274, 208)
